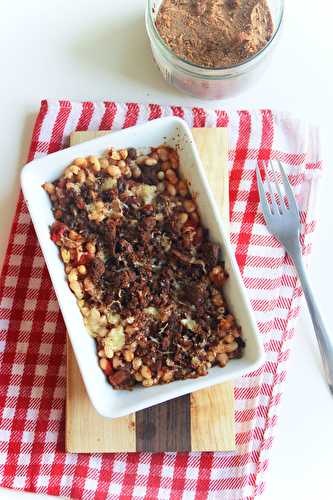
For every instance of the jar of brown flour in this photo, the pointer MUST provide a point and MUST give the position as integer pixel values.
(213, 49)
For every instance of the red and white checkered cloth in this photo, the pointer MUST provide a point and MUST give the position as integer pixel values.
(32, 339)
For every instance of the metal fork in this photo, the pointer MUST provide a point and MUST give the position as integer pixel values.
(283, 221)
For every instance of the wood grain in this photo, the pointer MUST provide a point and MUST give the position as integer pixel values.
(212, 419)
(202, 421)
(212, 144)
(165, 427)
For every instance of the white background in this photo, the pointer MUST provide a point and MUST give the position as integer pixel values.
(98, 50)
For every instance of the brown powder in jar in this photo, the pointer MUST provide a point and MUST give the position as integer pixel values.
(215, 33)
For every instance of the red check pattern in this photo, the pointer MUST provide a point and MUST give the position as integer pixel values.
(32, 338)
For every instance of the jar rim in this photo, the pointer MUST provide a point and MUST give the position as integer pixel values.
(211, 72)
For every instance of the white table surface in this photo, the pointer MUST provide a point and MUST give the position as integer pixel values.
(98, 50)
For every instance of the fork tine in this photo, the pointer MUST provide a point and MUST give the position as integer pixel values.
(277, 185)
(273, 201)
(266, 210)
(289, 192)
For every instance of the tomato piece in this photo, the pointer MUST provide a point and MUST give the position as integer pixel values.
(57, 231)
(85, 258)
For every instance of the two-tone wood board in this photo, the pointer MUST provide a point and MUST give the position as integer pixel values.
(202, 421)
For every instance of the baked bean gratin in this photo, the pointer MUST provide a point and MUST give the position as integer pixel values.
(147, 278)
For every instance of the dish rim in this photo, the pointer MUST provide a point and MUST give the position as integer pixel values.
(173, 389)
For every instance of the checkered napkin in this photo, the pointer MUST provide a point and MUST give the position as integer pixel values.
(32, 338)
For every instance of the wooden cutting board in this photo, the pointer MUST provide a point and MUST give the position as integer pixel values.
(202, 421)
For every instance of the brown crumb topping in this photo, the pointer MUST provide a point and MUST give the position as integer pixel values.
(148, 280)
(215, 33)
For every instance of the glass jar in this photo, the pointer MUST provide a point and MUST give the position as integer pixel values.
(210, 83)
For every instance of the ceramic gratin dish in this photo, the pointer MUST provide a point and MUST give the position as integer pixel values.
(174, 132)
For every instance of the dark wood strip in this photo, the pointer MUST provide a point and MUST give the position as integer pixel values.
(165, 427)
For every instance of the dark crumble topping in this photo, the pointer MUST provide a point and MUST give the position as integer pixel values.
(215, 33)
(148, 280)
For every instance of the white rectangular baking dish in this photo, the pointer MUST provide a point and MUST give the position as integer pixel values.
(174, 132)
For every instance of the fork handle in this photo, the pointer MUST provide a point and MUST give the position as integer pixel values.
(325, 340)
